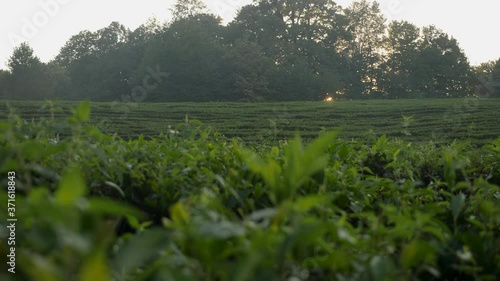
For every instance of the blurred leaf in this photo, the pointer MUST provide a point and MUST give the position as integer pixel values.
(304, 204)
(263, 214)
(221, 230)
(270, 170)
(416, 253)
(116, 187)
(39, 268)
(138, 251)
(369, 171)
(95, 269)
(457, 203)
(381, 268)
(106, 206)
(344, 234)
(82, 112)
(71, 187)
(275, 152)
(465, 254)
(244, 270)
(319, 145)
(179, 213)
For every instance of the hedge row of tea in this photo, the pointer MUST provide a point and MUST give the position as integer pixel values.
(192, 204)
(440, 120)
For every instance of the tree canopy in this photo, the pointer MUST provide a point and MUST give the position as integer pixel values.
(273, 50)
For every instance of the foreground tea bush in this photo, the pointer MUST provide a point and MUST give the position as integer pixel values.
(194, 205)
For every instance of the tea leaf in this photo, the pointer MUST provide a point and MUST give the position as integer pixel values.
(95, 269)
(71, 187)
(457, 203)
(82, 112)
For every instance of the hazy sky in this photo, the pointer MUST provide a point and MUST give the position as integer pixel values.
(48, 24)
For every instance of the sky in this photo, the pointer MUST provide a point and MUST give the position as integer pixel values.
(48, 24)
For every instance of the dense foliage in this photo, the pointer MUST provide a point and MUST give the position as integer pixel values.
(192, 204)
(271, 51)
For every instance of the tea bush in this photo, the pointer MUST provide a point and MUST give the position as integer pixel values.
(192, 204)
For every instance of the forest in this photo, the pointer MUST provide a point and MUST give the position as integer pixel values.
(271, 51)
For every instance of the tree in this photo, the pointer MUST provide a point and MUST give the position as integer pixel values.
(485, 68)
(402, 47)
(77, 57)
(248, 70)
(29, 77)
(140, 38)
(442, 69)
(110, 38)
(495, 75)
(301, 38)
(60, 79)
(487, 79)
(255, 24)
(367, 25)
(293, 24)
(190, 50)
(424, 64)
(99, 63)
(4, 79)
(79, 48)
(23, 60)
(188, 8)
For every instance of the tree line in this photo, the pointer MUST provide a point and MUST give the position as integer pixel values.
(273, 50)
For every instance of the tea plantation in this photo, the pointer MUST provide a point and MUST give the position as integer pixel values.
(418, 120)
(189, 201)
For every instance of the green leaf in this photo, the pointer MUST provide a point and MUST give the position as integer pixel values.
(71, 187)
(368, 170)
(417, 253)
(245, 270)
(105, 206)
(179, 213)
(115, 186)
(381, 268)
(270, 170)
(222, 230)
(465, 254)
(344, 234)
(457, 203)
(262, 214)
(82, 112)
(449, 172)
(344, 151)
(304, 204)
(319, 145)
(275, 152)
(141, 249)
(95, 269)
(39, 268)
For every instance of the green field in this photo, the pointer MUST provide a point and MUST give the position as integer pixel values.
(412, 120)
